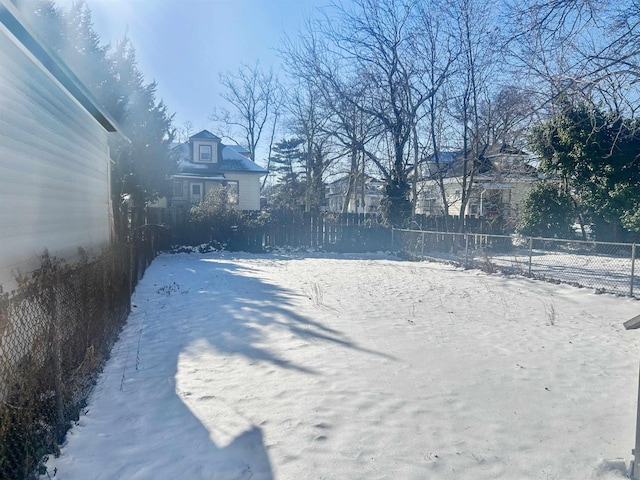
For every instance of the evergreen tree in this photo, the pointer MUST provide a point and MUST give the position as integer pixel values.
(83, 52)
(289, 191)
(141, 161)
(47, 20)
(597, 156)
(547, 211)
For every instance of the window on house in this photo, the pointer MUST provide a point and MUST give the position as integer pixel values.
(195, 189)
(234, 192)
(205, 153)
(177, 188)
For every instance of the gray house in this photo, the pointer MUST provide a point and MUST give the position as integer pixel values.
(205, 163)
(54, 157)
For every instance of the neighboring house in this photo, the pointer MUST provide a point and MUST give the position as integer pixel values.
(54, 157)
(365, 199)
(505, 177)
(204, 163)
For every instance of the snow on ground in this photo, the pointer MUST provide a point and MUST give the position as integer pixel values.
(606, 273)
(240, 366)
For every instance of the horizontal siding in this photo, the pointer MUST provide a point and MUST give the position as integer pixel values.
(54, 189)
(249, 186)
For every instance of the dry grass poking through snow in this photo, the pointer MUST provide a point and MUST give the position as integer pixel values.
(362, 368)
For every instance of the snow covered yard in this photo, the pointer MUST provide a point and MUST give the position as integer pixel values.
(240, 366)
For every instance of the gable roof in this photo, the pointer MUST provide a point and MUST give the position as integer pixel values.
(206, 135)
(229, 160)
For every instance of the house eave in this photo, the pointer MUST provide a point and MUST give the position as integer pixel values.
(50, 62)
(199, 177)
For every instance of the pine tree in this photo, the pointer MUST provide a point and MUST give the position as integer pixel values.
(141, 161)
(289, 190)
(144, 162)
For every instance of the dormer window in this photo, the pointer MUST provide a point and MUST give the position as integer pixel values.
(205, 153)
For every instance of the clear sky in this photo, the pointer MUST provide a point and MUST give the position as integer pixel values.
(184, 44)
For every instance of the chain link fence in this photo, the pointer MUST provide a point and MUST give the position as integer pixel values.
(603, 266)
(56, 331)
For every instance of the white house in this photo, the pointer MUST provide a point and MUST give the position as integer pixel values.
(205, 163)
(499, 187)
(54, 157)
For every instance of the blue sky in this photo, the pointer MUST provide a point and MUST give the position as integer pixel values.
(185, 44)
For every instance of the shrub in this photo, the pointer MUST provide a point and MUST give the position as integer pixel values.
(218, 222)
(547, 212)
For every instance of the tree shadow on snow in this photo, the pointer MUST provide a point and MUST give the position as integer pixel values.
(227, 305)
(211, 308)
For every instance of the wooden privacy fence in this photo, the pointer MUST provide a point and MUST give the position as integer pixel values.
(263, 231)
(351, 232)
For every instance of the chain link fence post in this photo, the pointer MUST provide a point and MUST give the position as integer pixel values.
(530, 253)
(633, 267)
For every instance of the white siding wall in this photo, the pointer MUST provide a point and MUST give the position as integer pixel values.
(54, 167)
(249, 186)
(196, 150)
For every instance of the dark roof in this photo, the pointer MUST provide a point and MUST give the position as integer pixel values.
(229, 160)
(451, 164)
(206, 134)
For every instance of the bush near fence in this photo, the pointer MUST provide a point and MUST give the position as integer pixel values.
(265, 230)
(56, 332)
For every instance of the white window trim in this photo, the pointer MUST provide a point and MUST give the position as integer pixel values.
(200, 152)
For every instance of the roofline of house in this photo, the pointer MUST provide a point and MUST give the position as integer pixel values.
(10, 18)
(196, 137)
(186, 176)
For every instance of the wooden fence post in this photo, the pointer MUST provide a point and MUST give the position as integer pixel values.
(466, 250)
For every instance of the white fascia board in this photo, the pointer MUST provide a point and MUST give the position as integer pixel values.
(198, 177)
(51, 64)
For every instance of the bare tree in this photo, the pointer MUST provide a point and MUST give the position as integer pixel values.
(580, 49)
(252, 94)
(367, 55)
(506, 116)
(308, 120)
(184, 132)
(275, 121)
(441, 51)
(476, 33)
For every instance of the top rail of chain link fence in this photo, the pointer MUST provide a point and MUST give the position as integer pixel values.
(604, 266)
